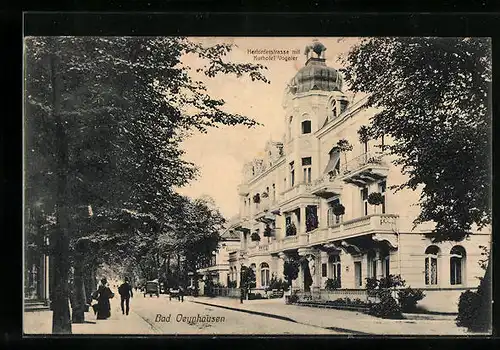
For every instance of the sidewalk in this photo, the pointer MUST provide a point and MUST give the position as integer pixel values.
(340, 320)
(40, 322)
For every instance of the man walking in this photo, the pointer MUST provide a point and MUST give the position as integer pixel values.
(126, 293)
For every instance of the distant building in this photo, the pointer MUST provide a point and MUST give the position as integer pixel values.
(290, 197)
(218, 268)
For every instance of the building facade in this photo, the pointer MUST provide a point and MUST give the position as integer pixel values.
(291, 203)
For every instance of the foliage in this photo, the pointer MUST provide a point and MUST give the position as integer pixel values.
(475, 308)
(255, 296)
(375, 198)
(104, 121)
(278, 284)
(255, 236)
(468, 308)
(371, 283)
(363, 133)
(268, 232)
(291, 230)
(256, 198)
(311, 220)
(485, 254)
(434, 97)
(408, 298)
(231, 284)
(338, 209)
(332, 284)
(387, 307)
(292, 299)
(291, 270)
(344, 145)
(392, 281)
(248, 280)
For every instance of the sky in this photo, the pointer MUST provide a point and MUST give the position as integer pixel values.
(221, 153)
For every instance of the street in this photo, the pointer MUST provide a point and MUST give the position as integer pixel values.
(182, 318)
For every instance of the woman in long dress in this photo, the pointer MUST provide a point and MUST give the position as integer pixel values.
(102, 295)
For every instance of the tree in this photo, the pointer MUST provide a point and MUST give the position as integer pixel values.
(291, 270)
(433, 95)
(104, 119)
(344, 146)
(248, 280)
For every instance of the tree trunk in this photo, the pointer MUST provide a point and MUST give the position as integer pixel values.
(178, 269)
(61, 316)
(78, 300)
(168, 271)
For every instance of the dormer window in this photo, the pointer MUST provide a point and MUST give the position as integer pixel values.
(343, 106)
(306, 127)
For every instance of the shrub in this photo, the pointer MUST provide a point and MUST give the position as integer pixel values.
(386, 308)
(332, 284)
(231, 284)
(292, 298)
(375, 198)
(391, 281)
(371, 283)
(468, 309)
(408, 298)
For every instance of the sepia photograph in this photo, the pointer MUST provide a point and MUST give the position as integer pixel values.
(334, 186)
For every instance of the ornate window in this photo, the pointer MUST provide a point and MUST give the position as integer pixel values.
(457, 265)
(264, 274)
(431, 265)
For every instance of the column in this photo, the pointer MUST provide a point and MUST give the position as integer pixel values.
(324, 260)
(378, 261)
(302, 224)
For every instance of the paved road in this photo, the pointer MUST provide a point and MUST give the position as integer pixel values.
(191, 318)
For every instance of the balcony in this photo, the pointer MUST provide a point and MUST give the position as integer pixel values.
(243, 189)
(326, 186)
(365, 169)
(296, 191)
(381, 227)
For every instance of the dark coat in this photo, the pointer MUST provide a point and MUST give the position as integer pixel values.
(102, 295)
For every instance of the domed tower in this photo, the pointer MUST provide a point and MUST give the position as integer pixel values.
(312, 98)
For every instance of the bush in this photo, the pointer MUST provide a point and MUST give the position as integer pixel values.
(386, 308)
(408, 298)
(292, 298)
(332, 284)
(255, 296)
(231, 284)
(468, 309)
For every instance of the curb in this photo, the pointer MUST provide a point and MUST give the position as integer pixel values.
(338, 329)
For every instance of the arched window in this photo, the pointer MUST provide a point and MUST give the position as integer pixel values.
(431, 265)
(264, 274)
(457, 265)
(290, 121)
(306, 127)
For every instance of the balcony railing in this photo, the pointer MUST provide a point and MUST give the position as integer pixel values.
(297, 190)
(364, 169)
(326, 186)
(375, 223)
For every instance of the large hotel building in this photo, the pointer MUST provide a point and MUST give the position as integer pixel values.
(290, 200)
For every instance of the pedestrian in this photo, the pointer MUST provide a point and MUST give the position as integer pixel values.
(126, 293)
(181, 294)
(102, 295)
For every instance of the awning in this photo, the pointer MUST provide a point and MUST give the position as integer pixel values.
(334, 159)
